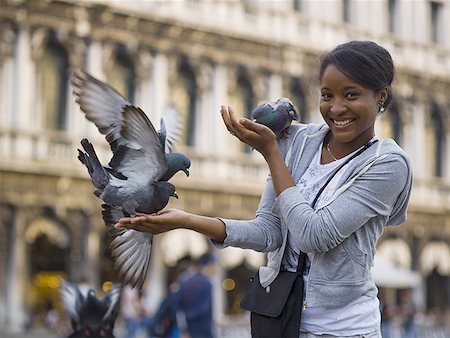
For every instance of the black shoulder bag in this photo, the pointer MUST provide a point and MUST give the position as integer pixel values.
(276, 309)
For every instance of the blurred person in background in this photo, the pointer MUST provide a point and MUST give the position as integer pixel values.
(133, 312)
(194, 299)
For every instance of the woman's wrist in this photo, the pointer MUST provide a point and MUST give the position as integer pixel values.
(211, 227)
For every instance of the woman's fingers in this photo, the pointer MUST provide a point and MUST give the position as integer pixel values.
(231, 121)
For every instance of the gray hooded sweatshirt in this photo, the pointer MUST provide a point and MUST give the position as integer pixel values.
(372, 193)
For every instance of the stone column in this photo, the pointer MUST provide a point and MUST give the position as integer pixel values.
(275, 87)
(159, 96)
(144, 71)
(93, 251)
(16, 275)
(221, 139)
(417, 139)
(94, 66)
(77, 51)
(7, 42)
(23, 94)
(6, 214)
(206, 112)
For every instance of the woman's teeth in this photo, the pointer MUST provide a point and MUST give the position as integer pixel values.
(342, 123)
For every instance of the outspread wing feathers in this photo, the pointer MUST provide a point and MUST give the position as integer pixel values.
(101, 105)
(136, 179)
(131, 252)
(89, 314)
(171, 128)
(72, 301)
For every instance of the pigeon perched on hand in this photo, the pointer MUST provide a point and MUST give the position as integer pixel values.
(90, 316)
(135, 181)
(277, 115)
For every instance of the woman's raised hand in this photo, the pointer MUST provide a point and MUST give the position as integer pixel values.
(254, 134)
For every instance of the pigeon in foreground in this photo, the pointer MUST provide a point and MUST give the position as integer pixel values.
(277, 115)
(131, 184)
(105, 107)
(90, 316)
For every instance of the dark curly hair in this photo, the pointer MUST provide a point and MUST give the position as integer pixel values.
(365, 62)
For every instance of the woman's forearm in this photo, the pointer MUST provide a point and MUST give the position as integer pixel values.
(281, 176)
(211, 227)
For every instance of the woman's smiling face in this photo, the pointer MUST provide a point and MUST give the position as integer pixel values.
(349, 108)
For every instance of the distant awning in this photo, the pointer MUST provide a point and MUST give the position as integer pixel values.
(388, 275)
(395, 250)
(181, 242)
(232, 257)
(436, 255)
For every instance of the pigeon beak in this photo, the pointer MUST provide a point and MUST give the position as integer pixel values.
(175, 195)
(186, 171)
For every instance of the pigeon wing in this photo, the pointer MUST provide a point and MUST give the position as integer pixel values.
(131, 252)
(101, 105)
(72, 301)
(142, 159)
(112, 301)
(171, 128)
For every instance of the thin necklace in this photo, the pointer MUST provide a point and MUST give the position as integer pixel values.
(329, 151)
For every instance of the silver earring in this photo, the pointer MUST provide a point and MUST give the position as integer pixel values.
(382, 109)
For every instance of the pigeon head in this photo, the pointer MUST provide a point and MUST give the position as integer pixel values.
(285, 105)
(175, 163)
(166, 190)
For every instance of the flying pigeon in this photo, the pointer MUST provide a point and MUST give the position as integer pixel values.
(90, 316)
(277, 115)
(131, 184)
(135, 181)
(103, 105)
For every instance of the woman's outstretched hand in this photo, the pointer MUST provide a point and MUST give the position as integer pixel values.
(171, 219)
(254, 134)
(156, 223)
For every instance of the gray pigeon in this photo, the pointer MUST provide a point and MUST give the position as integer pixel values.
(105, 107)
(90, 316)
(277, 115)
(131, 184)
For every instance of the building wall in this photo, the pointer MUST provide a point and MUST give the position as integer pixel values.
(225, 46)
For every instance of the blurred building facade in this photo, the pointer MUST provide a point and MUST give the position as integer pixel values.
(197, 55)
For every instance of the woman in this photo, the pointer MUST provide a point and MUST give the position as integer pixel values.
(338, 233)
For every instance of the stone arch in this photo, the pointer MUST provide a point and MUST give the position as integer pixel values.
(435, 254)
(396, 251)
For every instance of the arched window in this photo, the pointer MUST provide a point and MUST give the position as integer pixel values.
(122, 74)
(53, 80)
(185, 96)
(298, 99)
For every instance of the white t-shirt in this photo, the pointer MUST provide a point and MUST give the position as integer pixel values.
(358, 317)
